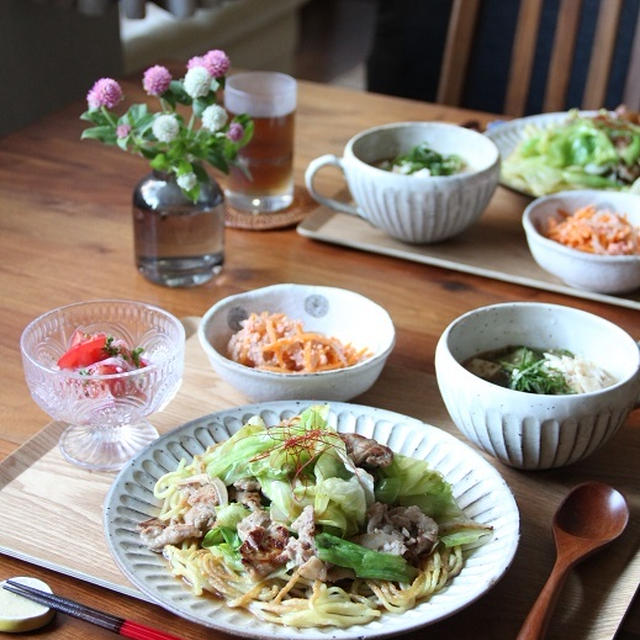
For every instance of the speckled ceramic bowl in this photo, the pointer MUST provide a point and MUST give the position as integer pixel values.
(412, 208)
(533, 431)
(592, 272)
(334, 312)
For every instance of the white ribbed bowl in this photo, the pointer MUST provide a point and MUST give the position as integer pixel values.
(410, 208)
(533, 431)
(479, 489)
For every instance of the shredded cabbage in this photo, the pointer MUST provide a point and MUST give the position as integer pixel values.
(601, 152)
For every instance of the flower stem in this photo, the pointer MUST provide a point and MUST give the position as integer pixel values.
(108, 116)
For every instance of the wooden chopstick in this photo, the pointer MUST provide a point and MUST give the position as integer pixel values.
(118, 625)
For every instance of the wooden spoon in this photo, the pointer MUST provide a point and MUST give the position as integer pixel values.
(591, 515)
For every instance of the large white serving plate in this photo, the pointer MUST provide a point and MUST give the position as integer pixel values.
(478, 487)
(507, 135)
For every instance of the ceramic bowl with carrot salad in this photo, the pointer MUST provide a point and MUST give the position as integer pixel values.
(588, 239)
(294, 341)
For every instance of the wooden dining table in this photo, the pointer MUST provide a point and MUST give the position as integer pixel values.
(66, 235)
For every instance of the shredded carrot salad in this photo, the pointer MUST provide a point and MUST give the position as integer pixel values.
(274, 342)
(596, 231)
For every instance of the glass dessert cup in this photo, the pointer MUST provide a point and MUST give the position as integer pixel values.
(107, 414)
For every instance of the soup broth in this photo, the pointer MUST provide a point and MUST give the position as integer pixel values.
(554, 371)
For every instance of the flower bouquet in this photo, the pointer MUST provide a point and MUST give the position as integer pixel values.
(171, 143)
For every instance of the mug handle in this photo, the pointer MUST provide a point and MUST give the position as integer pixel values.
(314, 166)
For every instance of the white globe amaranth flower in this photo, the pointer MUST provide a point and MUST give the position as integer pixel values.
(214, 117)
(197, 82)
(166, 128)
(187, 181)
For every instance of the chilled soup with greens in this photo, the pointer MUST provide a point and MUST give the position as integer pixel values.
(553, 372)
(422, 161)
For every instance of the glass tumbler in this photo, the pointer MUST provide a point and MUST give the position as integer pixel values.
(265, 181)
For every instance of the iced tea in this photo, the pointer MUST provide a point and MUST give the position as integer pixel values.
(268, 158)
(270, 99)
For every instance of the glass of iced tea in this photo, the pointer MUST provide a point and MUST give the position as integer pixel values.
(265, 181)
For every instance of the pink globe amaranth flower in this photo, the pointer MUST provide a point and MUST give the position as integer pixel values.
(196, 61)
(216, 62)
(92, 99)
(106, 92)
(156, 80)
(123, 130)
(235, 132)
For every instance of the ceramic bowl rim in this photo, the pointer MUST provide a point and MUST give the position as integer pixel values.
(156, 364)
(490, 165)
(443, 342)
(529, 220)
(275, 375)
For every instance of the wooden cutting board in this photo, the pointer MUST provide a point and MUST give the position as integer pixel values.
(52, 511)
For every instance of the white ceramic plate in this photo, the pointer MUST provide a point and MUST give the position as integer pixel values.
(478, 487)
(507, 135)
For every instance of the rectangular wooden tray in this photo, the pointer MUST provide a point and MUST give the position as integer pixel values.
(494, 247)
(64, 503)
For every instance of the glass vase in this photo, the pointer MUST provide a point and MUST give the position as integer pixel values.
(178, 242)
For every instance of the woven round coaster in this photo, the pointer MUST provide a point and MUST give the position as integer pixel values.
(302, 204)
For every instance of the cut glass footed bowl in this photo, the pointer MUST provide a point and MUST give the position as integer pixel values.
(106, 413)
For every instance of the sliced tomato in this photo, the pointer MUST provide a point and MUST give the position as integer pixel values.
(79, 336)
(105, 369)
(84, 353)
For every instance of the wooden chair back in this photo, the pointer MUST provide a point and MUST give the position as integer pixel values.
(459, 44)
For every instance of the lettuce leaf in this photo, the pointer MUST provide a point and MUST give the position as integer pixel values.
(340, 505)
(407, 481)
(410, 482)
(286, 502)
(365, 563)
(222, 535)
(224, 543)
(234, 459)
(231, 514)
(466, 535)
(580, 152)
(339, 500)
(276, 452)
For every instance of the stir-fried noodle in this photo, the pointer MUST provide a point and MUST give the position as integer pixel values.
(303, 526)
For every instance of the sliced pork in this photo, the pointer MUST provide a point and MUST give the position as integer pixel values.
(202, 496)
(366, 452)
(247, 492)
(156, 533)
(303, 548)
(203, 501)
(404, 531)
(263, 543)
